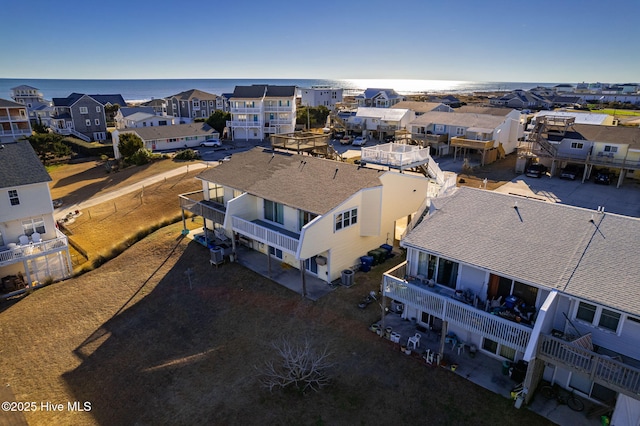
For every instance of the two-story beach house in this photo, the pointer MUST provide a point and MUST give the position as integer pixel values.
(261, 110)
(557, 141)
(14, 121)
(129, 117)
(168, 138)
(317, 215)
(326, 96)
(379, 98)
(552, 285)
(460, 132)
(33, 251)
(192, 104)
(81, 116)
(379, 122)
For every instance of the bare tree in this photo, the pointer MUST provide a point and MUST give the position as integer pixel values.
(297, 365)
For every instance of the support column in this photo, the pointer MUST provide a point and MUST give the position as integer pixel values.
(303, 278)
(445, 326)
(620, 178)
(184, 222)
(268, 261)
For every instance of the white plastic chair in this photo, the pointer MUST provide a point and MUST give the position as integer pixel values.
(35, 237)
(415, 341)
(24, 240)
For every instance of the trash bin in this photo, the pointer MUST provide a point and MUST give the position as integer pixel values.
(380, 255)
(347, 277)
(365, 263)
(510, 301)
(387, 248)
(375, 255)
(506, 365)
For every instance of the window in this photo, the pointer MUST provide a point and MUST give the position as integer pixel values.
(97, 121)
(447, 273)
(459, 131)
(439, 128)
(13, 197)
(274, 212)
(304, 218)
(586, 312)
(609, 320)
(216, 193)
(97, 109)
(311, 265)
(84, 110)
(601, 317)
(33, 225)
(346, 219)
(609, 148)
(275, 252)
(87, 122)
(577, 145)
(498, 349)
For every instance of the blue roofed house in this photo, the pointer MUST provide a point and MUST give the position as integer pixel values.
(554, 286)
(38, 108)
(379, 98)
(128, 117)
(33, 251)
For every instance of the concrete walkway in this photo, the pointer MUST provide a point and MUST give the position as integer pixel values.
(60, 213)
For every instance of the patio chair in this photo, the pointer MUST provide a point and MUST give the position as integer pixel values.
(35, 237)
(24, 240)
(415, 341)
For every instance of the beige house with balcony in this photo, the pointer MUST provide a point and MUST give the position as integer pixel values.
(314, 214)
(553, 285)
(14, 121)
(468, 133)
(32, 250)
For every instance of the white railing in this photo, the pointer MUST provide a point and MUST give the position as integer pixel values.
(33, 249)
(265, 235)
(246, 111)
(508, 333)
(245, 124)
(394, 154)
(278, 108)
(602, 369)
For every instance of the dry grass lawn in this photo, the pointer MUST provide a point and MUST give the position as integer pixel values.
(143, 347)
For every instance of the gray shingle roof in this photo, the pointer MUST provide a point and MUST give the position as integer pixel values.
(4, 103)
(127, 111)
(110, 99)
(20, 165)
(549, 244)
(461, 119)
(417, 106)
(263, 90)
(174, 131)
(194, 93)
(475, 109)
(312, 184)
(613, 134)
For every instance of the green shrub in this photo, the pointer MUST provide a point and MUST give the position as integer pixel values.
(187, 154)
(140, 157)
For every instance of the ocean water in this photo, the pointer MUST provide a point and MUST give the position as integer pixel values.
(137, 90)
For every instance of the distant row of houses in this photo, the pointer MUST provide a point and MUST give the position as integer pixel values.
(571, 272)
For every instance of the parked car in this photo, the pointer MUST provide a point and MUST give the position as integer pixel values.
(603, 177)
(571, 172)
(346, 140)
(390, 138)
(359, 141)
(536, 170)
(211, 142)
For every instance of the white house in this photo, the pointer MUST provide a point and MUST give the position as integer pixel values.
(314, 214)
(14, 121)
(468, 131)
(141, 117)
(261, 110)
(553, 285)
(326, 96)
(380, 122)
(420, 108)
(166, 138)
(33, 251)
(379, 98)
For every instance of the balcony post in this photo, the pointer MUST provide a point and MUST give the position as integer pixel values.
(304, 281)
(443, 337)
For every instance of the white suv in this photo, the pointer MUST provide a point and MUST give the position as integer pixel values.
(211, 142)
(359, 141)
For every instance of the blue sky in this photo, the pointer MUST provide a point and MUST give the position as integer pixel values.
(502, 40)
